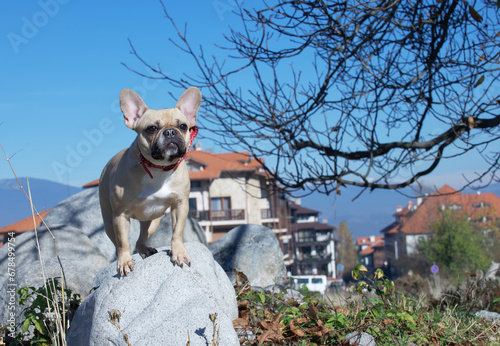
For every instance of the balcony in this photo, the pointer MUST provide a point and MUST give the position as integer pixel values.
(266, 214)
(308, 259)
(311, 242)
(218, 215)
(200, 215)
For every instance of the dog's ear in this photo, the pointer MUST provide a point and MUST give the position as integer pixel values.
(189, 103)
(133, 107)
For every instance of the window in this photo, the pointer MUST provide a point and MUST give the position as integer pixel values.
(220, 203)
(192, 204)
(306, 217)
(481, 205)
(306, 236)
(317, 280)
(323, 236)
(321, 251)
(195, 184)
(193, 166)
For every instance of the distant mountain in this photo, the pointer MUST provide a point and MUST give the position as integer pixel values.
(45, 194)
(370, 212)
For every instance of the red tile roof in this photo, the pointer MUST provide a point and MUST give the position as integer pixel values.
(371, 248)
(91, 184)
(367, 240)
(214, 164)
(420, 219)
(23, 225)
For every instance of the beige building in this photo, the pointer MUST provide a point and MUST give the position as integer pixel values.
(231, 189)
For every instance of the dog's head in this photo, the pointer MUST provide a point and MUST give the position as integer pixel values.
(164, 134)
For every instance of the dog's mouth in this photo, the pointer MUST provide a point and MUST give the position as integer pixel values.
(172, 149)
(169, 152)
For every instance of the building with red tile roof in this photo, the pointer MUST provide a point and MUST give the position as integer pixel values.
(414, 222)
(371, 252)
(232, 189)
(364, 242)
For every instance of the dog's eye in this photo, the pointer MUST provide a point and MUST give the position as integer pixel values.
(152, 129)
(183, 127)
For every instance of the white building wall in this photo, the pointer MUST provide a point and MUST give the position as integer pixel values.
(332, 266)
(246, 193)
(413, 242)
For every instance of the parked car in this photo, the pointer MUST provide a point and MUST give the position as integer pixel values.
(316, 283)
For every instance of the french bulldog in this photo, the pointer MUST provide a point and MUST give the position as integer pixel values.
(144, 180)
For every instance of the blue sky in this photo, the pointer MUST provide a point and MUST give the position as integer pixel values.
(61, 74)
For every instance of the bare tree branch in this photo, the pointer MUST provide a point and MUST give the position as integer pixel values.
(353, 92)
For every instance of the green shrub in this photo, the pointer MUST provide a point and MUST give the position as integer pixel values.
(47, 313)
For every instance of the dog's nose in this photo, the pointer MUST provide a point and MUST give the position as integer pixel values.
(169, 133)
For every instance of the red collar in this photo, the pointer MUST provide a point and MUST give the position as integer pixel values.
(145, 163)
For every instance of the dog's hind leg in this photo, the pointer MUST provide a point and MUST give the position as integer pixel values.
(147, 230)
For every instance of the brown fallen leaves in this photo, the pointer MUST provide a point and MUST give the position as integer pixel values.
(273, 331)
(269, 324)
(276, 332)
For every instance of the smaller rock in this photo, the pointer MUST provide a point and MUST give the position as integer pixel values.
(493, 271)
(288, 292)
(488, 315)
(253, 250)
(360, 339)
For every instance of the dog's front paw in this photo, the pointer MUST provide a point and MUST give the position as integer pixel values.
(179, 255)
(125, 265)
(147, 251)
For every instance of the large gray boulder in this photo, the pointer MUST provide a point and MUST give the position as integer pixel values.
(83, 211)
(159, 304)
(80, 259)
(253, 250)
(70, 243)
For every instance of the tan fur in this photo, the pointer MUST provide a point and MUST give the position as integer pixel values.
(127, 191)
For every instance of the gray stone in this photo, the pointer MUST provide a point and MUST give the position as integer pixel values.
(253, 250)
(488, 315)
(159, 304)
(288, 292)
(83, 211)
(360, 339)
(493, 271)
(70, 243)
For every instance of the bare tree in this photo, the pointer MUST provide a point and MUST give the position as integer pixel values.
(368, 93)
(347, 254)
